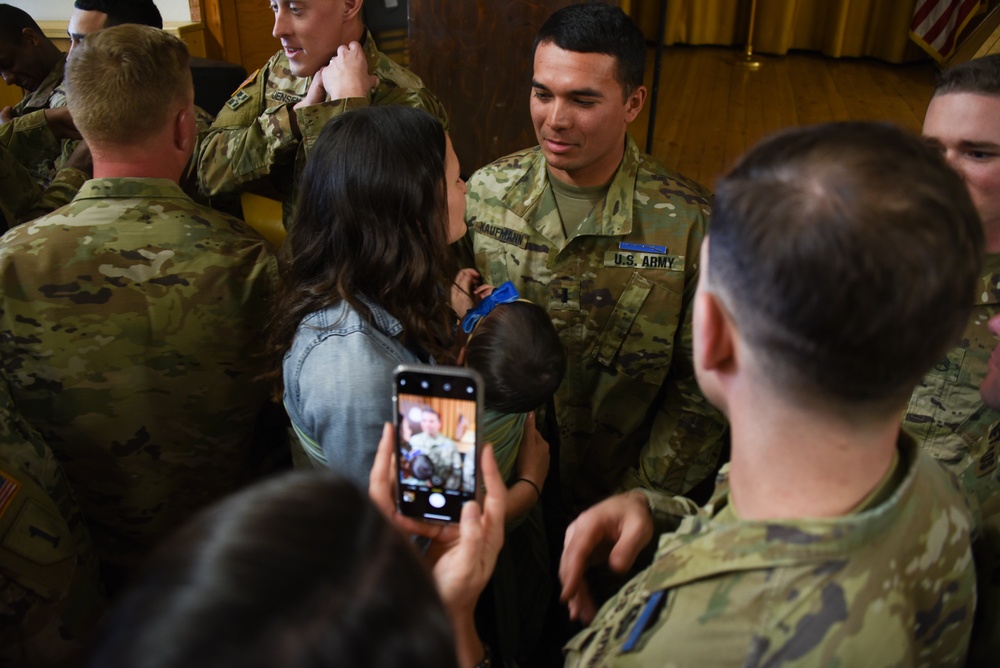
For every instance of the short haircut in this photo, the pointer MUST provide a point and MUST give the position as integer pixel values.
(848, 256)
(122, 82)
(981, 75)
(298, 571)
(599, 28)
(13, 21)
(517, 351)
(142, 12)
(428, 409)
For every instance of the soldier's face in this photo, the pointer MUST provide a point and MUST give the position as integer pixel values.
(989, 389)
(456, 194)
(430, 424)
(83, 22)
(310, 32)
(965, 128)
(21, 64)
(580, 114)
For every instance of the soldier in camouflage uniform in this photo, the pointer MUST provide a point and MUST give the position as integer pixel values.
(440, 449)
(607, 241)
(262, 135)
(50, 590)
(946, 415)
(832, 539)
(129, 319)
(981, 482)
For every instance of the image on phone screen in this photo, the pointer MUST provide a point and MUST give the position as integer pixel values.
(436, 421)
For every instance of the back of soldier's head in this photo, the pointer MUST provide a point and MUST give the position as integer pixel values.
(142, 12)
(980, 76)
(848, 256)
(599, 28)
(123, 82)
(517, 351)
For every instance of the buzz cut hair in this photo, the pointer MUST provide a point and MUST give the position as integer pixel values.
(123, 81)
(980, 76)
(848, 255)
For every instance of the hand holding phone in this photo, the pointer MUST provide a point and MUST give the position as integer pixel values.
(437, 415)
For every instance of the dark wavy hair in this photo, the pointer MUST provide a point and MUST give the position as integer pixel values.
(301, 571)
(372, 221)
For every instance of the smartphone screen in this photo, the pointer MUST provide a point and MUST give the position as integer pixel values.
(437, 453)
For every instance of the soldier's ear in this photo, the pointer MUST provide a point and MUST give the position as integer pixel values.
(183, 137)
(715, 345)
(352, 9)
(634, 102)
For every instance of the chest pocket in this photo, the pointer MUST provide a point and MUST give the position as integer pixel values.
(638, 339)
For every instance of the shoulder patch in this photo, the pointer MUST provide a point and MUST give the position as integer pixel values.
(237, 100)
(247, 82)
(8, 490)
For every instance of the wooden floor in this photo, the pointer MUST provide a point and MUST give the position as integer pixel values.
(711, 108)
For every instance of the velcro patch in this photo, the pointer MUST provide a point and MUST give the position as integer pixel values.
(988, 462)
(502, 234)
(247, 82)
(632, 260)
(8, 490)
(237, 100)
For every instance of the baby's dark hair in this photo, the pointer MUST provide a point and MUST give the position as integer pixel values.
(518, 353)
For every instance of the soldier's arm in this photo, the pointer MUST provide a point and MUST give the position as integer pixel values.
(247, 140)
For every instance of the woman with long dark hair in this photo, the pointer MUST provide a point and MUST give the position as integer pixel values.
(367, 277)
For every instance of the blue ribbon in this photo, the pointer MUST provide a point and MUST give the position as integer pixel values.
(503, 294)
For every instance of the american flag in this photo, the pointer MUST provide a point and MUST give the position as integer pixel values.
(8, 488)
(937, 23)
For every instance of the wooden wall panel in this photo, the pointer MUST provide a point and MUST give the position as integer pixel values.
(476, 56)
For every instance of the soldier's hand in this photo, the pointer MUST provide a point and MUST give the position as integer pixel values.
(316, 92)
(617, 529)
(61, 123)
(347, 74)
(6, 114)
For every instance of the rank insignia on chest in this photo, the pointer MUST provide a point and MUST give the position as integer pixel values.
(501, 233)
(636, 260)
(237, 100)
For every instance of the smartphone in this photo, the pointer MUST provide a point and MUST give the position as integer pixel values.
(438, 410)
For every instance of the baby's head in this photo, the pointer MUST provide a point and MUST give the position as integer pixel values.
(517, 351)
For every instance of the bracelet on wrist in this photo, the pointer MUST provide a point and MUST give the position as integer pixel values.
(533, 485)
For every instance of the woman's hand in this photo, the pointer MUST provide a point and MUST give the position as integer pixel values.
(466, 282)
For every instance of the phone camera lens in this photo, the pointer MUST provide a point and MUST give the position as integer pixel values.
(424, 384)
(470, 389)
(447, 387)
(402, 381)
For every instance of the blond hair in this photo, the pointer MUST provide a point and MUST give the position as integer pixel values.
(121, 83)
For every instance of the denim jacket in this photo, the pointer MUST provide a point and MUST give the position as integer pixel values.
(338, 385)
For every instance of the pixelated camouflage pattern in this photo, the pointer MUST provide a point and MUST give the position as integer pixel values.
(51, 595)
(444, 455)
(129, 327)
(252, 147)
(981, 483)
(889, 586)
(57, 194)
(946, 415)
(17, 189)
(30, 140)
(629, 410)
(50, 93)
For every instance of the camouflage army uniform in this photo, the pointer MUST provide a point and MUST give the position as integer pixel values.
(129, 324)
(252, 145)
(444, 455)
(17, 189)
(892, 585)
(981, 483)
(946, 415)
(629, 410)
(49, 94)
(50, 590)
